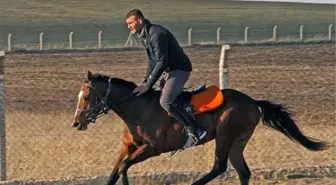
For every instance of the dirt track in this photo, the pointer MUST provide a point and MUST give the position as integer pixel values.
(41, 92)
(287, 74)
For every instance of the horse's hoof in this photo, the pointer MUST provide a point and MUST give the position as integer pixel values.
(75, 124)
(81, 127)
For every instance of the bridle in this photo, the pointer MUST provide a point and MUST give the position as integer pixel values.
(101, 107)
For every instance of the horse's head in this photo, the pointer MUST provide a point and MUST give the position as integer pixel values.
(99, 94)
(86, 100)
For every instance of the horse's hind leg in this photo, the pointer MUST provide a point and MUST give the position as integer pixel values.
(237, 158)
(223, 144)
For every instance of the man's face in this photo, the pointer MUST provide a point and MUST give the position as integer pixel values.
(134, 24)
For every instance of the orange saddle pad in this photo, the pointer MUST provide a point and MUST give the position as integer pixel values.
(207, 100)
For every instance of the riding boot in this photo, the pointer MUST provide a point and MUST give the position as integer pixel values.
(188, 121)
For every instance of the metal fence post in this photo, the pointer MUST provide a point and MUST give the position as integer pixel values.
(301, 33)
(9, 41)
(218, 34)
(274, 33)
(99, 39)
(329, 35)
(189, 36)
(128, 39)
(131, 41)
(246, 34)
(70, 40)
(3, 158)
(41, 41)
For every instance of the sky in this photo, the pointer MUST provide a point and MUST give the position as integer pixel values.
(303, 1)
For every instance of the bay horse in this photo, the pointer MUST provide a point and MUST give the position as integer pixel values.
(150, 131)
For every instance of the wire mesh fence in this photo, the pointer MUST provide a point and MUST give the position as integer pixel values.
(303, 79)
(41, 95)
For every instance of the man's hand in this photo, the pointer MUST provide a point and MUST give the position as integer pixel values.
(141, 89)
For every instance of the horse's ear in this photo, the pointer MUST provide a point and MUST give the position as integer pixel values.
(89, 75)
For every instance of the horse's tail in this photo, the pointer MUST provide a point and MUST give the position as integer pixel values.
(278, 118)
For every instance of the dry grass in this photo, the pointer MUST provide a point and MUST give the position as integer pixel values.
(184, 11)
(41, 95)
(85, 18)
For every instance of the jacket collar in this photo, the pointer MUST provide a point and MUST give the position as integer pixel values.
(144, 32)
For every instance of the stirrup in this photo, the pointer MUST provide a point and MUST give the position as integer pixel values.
(201, 136)
(191, 141)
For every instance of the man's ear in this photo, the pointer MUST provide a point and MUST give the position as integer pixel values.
(141, 21)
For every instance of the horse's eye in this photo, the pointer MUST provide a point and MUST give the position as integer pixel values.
(86, 98)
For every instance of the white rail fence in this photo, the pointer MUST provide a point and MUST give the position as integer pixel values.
(131, 42)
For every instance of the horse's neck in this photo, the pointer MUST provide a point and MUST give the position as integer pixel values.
(123, 104)
(131, 109)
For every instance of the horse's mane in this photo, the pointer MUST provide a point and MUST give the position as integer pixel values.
(115, 81)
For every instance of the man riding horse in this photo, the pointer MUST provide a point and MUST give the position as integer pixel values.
(165, 54)
(149, 132)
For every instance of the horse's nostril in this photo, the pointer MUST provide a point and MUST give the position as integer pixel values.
(75, 124)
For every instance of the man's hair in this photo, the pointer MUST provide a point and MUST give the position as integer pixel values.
(136, 13)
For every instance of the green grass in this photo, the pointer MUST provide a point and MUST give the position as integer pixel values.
(26, 19)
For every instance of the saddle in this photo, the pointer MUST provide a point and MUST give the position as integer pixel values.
(185, 96)
(201, 99)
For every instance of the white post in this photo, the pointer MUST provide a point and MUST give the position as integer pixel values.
(218, 34)
(329, 35)
(128, 39)
(70, 40)
(3, 170)
(301, 33)
(99, 39)
(41, 41)
(131, 41)
(274, 33)
(246, 33)
(189, 36)
(223, 69)
(9, 42)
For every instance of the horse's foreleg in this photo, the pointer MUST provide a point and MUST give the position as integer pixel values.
(140, 154)
(114, 176)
